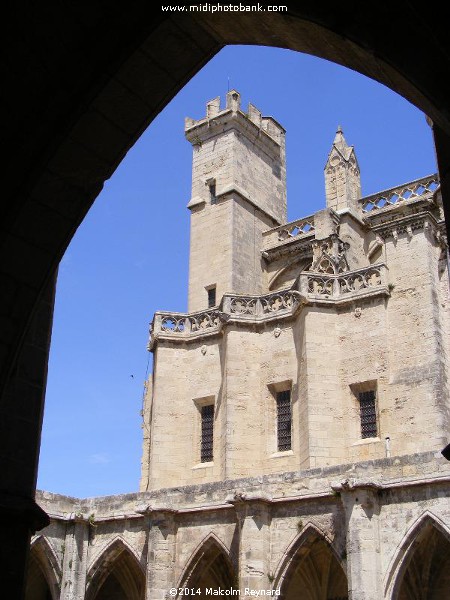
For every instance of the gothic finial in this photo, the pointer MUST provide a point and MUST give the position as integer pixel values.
(340, 142)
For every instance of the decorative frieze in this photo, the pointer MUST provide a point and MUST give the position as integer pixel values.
(393, 228)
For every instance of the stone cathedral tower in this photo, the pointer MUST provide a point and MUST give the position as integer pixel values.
(238, 191)
(295, 416)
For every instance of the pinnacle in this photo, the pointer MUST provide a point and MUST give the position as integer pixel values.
(341, 144)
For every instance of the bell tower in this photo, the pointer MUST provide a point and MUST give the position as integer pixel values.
(238, 191)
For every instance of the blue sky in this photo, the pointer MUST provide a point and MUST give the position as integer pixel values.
(129, 258)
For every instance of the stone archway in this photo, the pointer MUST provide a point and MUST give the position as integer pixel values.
(44, 573)
(116, 575)
(79, 96)
(37, 587)
(80, 138)
(209, 568)
(425, 572)
(311, 570)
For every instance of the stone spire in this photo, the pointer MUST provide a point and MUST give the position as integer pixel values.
(342, 176)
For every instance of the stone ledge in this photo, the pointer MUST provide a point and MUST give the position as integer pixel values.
(315, 484)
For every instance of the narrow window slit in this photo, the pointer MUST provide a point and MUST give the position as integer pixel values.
(211, 297)
(368, 414)
(212, 193)
(284, 420)
(207, 439)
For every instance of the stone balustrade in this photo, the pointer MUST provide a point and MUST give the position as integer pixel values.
(294, 229)
(312, 287)
(251, 307)
(419, 188)
(235, 307)
(342, 285)
(181, 323)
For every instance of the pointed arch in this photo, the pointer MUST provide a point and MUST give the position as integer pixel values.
(117, 573)
(421, 559)
(44, 571)
(311, 565)
(209, 566)
(290, 272)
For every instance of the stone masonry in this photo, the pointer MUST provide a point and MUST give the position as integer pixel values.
(295, 415)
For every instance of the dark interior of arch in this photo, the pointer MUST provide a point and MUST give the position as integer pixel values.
(211, 569)
(315, 574)
(112, 590)
(37, 587)
(427, 576)
(119, 578)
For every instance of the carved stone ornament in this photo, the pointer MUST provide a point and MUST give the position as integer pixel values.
(329, 256)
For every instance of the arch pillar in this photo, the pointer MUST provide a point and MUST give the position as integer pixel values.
(161, 552)
(254, 517)
(73, 584)
(362, 510)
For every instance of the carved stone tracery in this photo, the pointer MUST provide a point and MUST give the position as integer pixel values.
(329, 255)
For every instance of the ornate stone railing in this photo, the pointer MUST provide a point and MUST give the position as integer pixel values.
(295, 229)
(322, 285)
(235, 308)
(180, 323)
(274, 304)
(405, 193)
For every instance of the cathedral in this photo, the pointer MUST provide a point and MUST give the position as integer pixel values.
(295, 417)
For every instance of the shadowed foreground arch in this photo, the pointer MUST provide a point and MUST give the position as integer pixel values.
(424, 573)
(311, 569)
(210, 567)
(82, 82)
(116, 575)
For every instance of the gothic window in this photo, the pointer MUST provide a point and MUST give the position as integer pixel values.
(207, 433)
(284, 420)
(211, 296)
(368, 415)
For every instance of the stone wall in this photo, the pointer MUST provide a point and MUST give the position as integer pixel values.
(368, 513)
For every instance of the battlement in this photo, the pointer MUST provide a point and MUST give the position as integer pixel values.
(215, 116)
